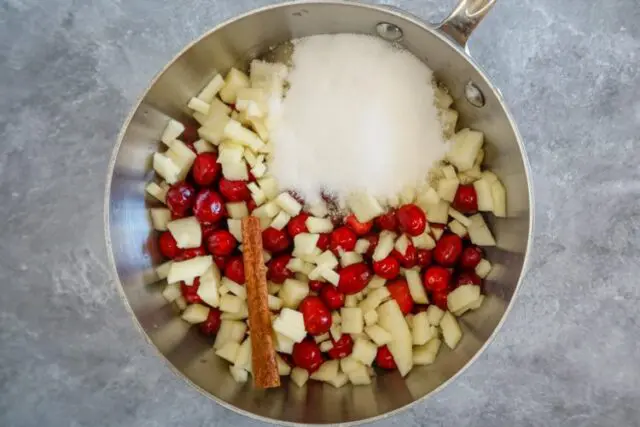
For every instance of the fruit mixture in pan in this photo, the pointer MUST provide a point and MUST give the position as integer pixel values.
(348, 287)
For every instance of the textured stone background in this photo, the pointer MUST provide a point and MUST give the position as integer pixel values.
(69, 354)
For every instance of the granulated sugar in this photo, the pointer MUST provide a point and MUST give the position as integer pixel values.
(359, 116)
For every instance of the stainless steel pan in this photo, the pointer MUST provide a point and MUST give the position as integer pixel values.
(132, 246)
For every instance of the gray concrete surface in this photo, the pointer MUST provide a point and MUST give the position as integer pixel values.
(69, 354)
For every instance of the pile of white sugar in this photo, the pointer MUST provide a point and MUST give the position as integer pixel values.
(359, 116)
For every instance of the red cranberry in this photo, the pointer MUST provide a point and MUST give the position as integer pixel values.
(419, 308)
(209, 207)
(168, 245)
(316, 285)
(297, 225)
(206, 169)
(471, 257)
(399, 290)
(275, 240)
(324, 241)
(448, 250)
(360, 228)
(190, 293)
(190, 134)
(388, 221)
(221, 243)
(332, 297)
(466, 199)
(180, 198)
(342, 238)
(424, 257)
(251, 205)
(436, 279)
(221, 261)
(191, 253)
(277, 270)
(467, 278)
(384, 359)
(234, 191)
(234, 269)
(411, 219)
(410, 257)
(317, 317)
(212, 324)
(341, 348)
(307, 355)
(387, 268)
(440, 299)
(208, 230)
(354, 278)
(373, 242)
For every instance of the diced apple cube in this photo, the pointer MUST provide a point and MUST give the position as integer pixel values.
(428, 197)
(243, 356)
(422, 331)
(457, 228)
(321, 338)
(281, 220)
(426, 354)
(259, 170)
(186, 232)
(362, 246)
(392, 320)
(364, 206)
(448, 172)
(385, 245)
(488, 176)
(274, 303)
(195, 313)
(203, 146)
(283, 344)
(423, 241)
(339, 380)
(235, 171)
(319, 209)
(464, 148)
(352, 320)
(166, 168)
(243, 313)
(214, 130)
(462, 296)
(370, 318)
(437, 233)
(299, 376)
(327, 371)
(350, 301)
(483, 268)
(335, 331)
(485, 197)
(268, 210)
(434, 314)
(359, 375)
(237, 210)
(241, 135)
(234, 81)
(364, 351)
(189, 269)
(451, 331)
(235, 228)
(378, 335)
(479, 232)
(438, 213)
(269, 185)
(181, 156)
(319, 225)
(349, 258)
(163, 270)
(211, 89)
(172, 131)
(181, 303)
(198, 105)
(348, 364)
(442, 98)
(305, 243)
(402, 244)
(209, 284)
(416, 289)
(326, 346)
(230, 152)
(376, 282)
(157, 191)
(499, 196)
(229, 351)
(293, 292)
(330, 276)
(290, 323)
(231, 304)
(160, 217)
(374, 299)
(448, 122)
(459, 217)
(238, 374)
(288, 204)
(235, 288)
(171, 292)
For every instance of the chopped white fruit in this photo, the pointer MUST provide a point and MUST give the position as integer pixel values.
(172, 292)
(339, 380)
(273, 288)
(160, 217)
(229, 351)
(327, 259)
(211, 89)
(223, 290)
(283, 368)
(186, 232)
(257, 194)
(238, 374)
(352, 320)
(281, 220)
(335, 331)
(230, 152)
(319, 210)
(288, 204)
(442, 98)
(231, 303)
(269, 185)
(451, 332)
(268, 210)
(459, 217)
(364, 351)
(198, 105)
(189, 269)
(438, 213)
(236, 289)
(457, 228)
(499, 196)
(172, 131)
(479, 232)
(448, 122)
(243, 313)
(158, 191)
(362, 246)
(350, 301)
(464, 148)
(181, 156)
(466, 178)
(336, 319)
(434, 315)
(319, 225)
(488, 176)
(243, 355)
(370, 318)
(428, 197)
(483, 268)
(237, 210)
(251, 100)
(364, 206)
(330, 276)
(235, 171)
(402, 244)
(423, 241)
(348, 364)
(392, 320)
(374, 299)
(274, 303)
(203, 146)
(447, 188)
(376, 282)
(305, 243)
(349, 258)
(409, 319)
(299, 266)
(293, 292)
(290, 323)
(235, 228)
(209, 285)
(234, 81)
(378, 335)
(321, 338)
(359, 375)
(448, 172)
(437, 233)
(259, 170)
(213, 131)
(426, 354)
(326, 346)
(195, 313)
(166, 168)
(385, 245)
(416, 289)
(462, 296)
(483, 192)
(251, 158)
(299, 376)
(422, 331)
(234, 131)
(327, 371)
(479, 158)
(283, 344)
(181, 303)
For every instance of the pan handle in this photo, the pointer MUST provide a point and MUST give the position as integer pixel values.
(464, 19)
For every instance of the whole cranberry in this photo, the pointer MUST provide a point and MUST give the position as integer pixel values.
(317, 317)
(209, 207)
(212, 324)
(388, 221)
(411, 219)
(208, 230)
(360, 228)
(190, 134)
(251, 205)
(466, 199)
(316, 285)
(410, 257)
(354, 278)
(467, 277)
(180, 198)
(399, 290)
(190, 293)
(221, 261)
(436, 279)
(324, 241)
(277, 270)
(471, 257)
(168, 245)
(297, 225)
(307, 355)
(341, 348)
(419, 308)
(440, 299)
(234, 270)
(373, 242)
(448, 250)
(424, 257)
(191, 253)
(387, 268)
(205, 169)
(234, 191)
(275, 240)
(221, 243)
(384, 359)
(342, 238)
(332, 297)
